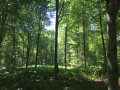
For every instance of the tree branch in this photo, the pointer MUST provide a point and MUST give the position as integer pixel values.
(64, 12)
(61, 9)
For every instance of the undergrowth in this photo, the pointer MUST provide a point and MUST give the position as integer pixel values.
(21, 77)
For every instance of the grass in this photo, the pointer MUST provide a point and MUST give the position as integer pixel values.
(43, 79)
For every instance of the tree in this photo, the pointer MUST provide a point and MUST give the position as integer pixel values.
(39, 32)
(60, 10)
(66, 29)
(14, 45)
(84, 39)
(104, 50)
(28, 49)
(56, 38)
(23, 53)
(3, 17)
(38, 36)
(112, 7)
(41, 14)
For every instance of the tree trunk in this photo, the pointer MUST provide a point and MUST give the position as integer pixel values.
(77, 55)
(65, 45)
(51, 51)
(41, 56)
(52, 48)
(0, 54)
(46, 58)
(23, 53)
(84, 41)
(104, 50)
(28, 49)
(13, 53)
(38, 39)
(78, 47)
(111, 12)
(3, 18)
(56, 39)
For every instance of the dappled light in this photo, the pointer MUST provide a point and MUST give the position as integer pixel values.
(59, 44)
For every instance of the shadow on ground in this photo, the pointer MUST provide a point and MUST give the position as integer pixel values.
(52, 84)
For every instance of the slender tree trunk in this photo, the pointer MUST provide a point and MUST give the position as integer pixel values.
(2, 33)
(46, 58)
(56, 39)
(111, 12)
(23, 53)
(70, 57)
(3, 18)
(77, 54)
(13, 55)
(52, 49)
(28, 49)
(78, 47)
(58, 54)
(65, 45)
(0, 54)
(51, 53)
(104, 50)
(38, 39)
(84, 41)
(41, 56)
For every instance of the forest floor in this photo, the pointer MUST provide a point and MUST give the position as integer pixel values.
(43, 79)
(48, 84)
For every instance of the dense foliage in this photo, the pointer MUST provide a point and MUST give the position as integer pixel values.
(28, 21)
(27, 43)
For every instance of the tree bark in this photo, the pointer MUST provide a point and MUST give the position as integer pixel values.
(103, 44)
(56, 39)
(111, 12)
(65, 45)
